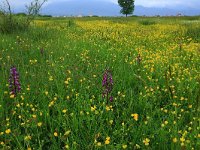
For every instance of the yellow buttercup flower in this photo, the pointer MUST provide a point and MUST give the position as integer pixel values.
(27, 138)
(67, 146)
(93, 108)
(64, 110)
(12, 96)
(99, 144)
(8, 131)
(124, 146)
(55, 134)
(107, 141)
(182, 139)
(175, 140)
(135, 116)
(39, 124)
(146, 141)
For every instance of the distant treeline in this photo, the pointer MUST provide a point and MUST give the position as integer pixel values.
(24, 14)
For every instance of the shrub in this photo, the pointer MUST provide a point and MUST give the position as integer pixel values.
(14, 24)
(147, 22)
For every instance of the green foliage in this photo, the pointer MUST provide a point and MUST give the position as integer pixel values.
(156, 78)
(127, 6)
(21, 14)
(147, 22)
(14, 24)
(71, 23)
(193, 32)
(47, 16)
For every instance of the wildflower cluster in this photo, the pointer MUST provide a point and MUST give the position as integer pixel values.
(107, 84)
(14, 84)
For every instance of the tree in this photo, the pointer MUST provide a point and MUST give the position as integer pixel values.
(127, 6)
(33, 9)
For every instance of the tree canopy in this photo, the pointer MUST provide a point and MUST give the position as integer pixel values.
(127, 6)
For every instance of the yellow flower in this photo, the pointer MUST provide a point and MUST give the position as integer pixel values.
(51, 103)
(137, 146)
(67, 133)
(50, 78)
(135, 116)
(111, 122)
(12, 96)
(67, 97)
(27, 138)
(107, 141)
(99, 144)
(66, 82)
(28, 88)
(107, 108)
(55, 134)
(165, 110)
(39, 124)
(8, 131)
(93, 108)
(166, 122)
(175, 140)
(34, 116)
(108, 138)
(67, 146)
(146, 141)
(124, 146)
(29, 148)
(182, 144)
(22, 97)
(182, 139)
(64, 110)
(46, 93)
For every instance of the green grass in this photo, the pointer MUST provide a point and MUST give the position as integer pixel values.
(163, 89)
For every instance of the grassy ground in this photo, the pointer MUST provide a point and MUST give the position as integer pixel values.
(155, 66)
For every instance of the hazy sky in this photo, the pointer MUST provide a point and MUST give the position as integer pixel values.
(147, 3)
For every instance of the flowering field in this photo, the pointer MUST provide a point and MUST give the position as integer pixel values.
(101, 83)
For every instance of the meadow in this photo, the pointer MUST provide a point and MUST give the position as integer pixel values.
(101, 83)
